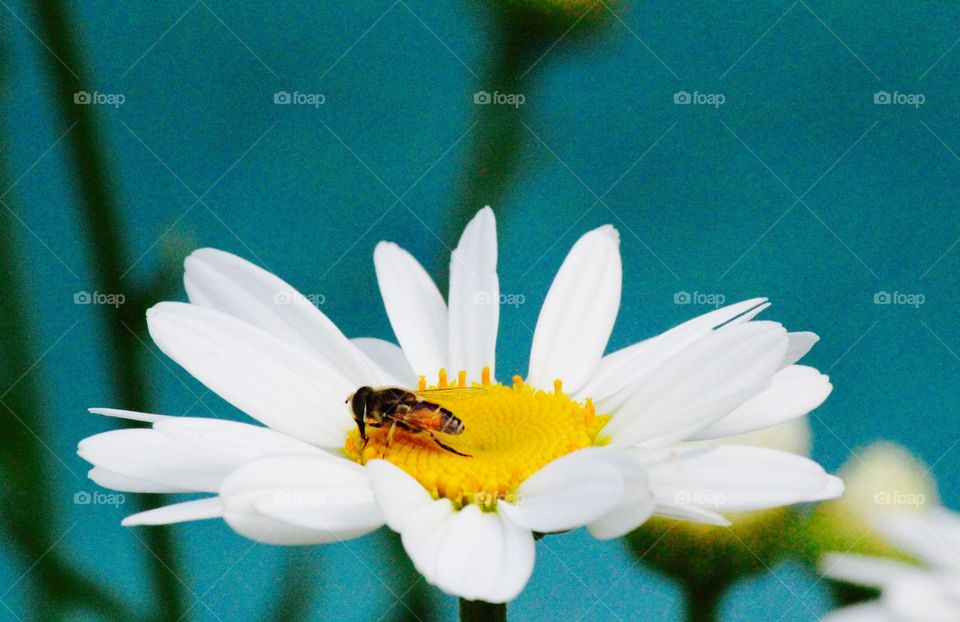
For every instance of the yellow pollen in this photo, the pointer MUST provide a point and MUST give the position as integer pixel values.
(558, 386)
(509, 433)
(485, 375)
(462, 378)
(422, 383)
(442, 379)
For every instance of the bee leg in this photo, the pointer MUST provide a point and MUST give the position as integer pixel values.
(386, 446)
(447, 447)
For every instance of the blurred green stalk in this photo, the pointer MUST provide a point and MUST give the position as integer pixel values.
(100, 214)
(28, 503)
(493, 159)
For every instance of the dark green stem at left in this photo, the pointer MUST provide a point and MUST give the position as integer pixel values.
(479, 611)
(100, 214)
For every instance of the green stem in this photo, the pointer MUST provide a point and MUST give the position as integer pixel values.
(27, 502)
(479, 611)
(493, 157)
(703, 603)
(299, 580)
(100, 213)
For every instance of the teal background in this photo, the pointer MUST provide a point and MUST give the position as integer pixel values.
(706, 200)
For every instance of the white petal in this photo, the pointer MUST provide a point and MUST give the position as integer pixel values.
(472, 554)
(634, 508)
(398, 494)
(483, 557)
(691, 514)
(180, 454)
(700, 385)
(929, 598)
(876, 572)
(474, 297)
(242, 440)
(578, 313)
(932, 536)
(415, 307)
(199, 509)
(274, 382)
(147, 455)
(800, 344)
(793, 392)
(300, 499)
(870, 612)
(117, 481)
(227, 283)
(620, 372)
(733, 478)
(390, 357)
(131, 415)
(567, 493)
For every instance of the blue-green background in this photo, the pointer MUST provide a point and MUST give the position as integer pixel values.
(706, 209)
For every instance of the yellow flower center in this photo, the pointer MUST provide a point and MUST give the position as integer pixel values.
(509, 433)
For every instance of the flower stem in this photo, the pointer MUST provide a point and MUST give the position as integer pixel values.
(703, 603)
(479, 611)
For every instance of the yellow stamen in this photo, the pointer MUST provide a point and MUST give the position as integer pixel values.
(510, 432)
(558, 386)
(422, 384)
(462, 378)
(485, 375)
(442, 379)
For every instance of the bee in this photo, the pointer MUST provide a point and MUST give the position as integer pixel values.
(409, 411)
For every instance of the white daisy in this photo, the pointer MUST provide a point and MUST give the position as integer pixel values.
(909, 593)
(583, 440)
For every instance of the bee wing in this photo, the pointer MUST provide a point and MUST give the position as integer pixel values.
(453, 393)
(423, 418)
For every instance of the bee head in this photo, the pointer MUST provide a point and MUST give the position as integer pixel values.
(358, 404)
